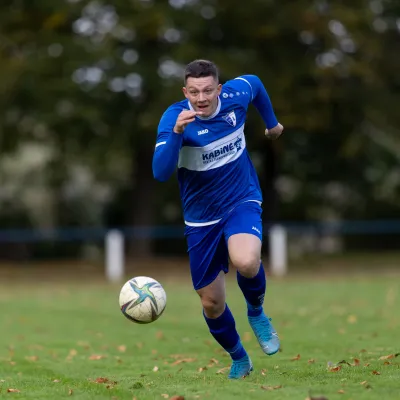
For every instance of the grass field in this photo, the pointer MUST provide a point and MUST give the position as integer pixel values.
(340, 336)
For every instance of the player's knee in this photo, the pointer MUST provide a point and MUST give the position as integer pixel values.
(213, 306)
(247, 264)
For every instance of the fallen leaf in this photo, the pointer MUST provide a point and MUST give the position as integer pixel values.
(335, 369)
(122, 348)
(32, 358)
(183, 360)
(165, 395)
(366, 384)
(271, 387)
(176, 356)
(367, 365)
(96, 357)
(352, 319)
(387, 363)
(388, 357)
(85, 345)
(311, 361)
(222, 370)
(104, 380)
(341, 391)
(72, 353)
(56, 380)
(155, 369)
(177, 398)
(70, 392)
(213, 361)
(263, 372)
(247, 337)
(160, 335)
(376, 373)
(13, 391)
(201, 369)
(344, 362)
(356, 362)
(295, 358)
(316, 398)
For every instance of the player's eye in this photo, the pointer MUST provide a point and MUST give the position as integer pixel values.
(208, 91)
(194, 93)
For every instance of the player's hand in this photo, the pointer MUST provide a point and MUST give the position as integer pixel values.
(274, 132)
(184, 119)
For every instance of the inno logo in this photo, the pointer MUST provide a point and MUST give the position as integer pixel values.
(203, 132)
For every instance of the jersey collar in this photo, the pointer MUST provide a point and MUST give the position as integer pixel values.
(216, 112)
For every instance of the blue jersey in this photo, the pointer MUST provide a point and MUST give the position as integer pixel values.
(215, 172)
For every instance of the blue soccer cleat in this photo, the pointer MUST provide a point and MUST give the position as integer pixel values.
(265, 333)
(241, 368)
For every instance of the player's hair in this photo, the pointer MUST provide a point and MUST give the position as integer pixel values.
(201, 69)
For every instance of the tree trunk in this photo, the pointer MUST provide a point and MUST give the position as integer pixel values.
(141, 208)
(269, 175)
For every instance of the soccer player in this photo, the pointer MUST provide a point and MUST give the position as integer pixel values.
(203, 137)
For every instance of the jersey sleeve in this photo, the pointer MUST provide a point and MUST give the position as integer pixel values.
(168, 145)
(249, 89)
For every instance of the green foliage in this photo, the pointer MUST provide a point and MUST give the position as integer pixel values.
(88, 81)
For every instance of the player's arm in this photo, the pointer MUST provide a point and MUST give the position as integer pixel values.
(261, 100)
(169, 142)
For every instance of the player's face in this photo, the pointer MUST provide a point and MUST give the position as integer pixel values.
(203, 94)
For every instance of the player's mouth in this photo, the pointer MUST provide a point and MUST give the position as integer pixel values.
(202, 107)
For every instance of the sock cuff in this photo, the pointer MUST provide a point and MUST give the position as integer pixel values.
(260, 273)
(225, 318)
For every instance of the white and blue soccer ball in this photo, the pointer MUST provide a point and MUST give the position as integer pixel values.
(142, 299)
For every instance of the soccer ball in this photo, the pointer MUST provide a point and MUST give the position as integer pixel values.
(142, 299)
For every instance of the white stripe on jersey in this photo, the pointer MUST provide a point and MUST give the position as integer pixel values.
(242, 79)
(160, 143)
(215, 154)
(199, 224)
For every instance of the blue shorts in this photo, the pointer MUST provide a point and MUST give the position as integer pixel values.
(208, 245)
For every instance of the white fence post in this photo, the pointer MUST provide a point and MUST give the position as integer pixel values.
(115, 260)
(278, 250)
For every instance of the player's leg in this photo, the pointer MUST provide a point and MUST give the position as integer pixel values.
(208, 264)
(222, 325)
(243, 232)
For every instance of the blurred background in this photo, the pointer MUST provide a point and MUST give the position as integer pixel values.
(83, 85)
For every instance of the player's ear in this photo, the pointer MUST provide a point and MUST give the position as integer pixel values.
(219, 87)
(184, 90)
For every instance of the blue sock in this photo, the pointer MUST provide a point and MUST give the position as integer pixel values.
(224, 331)
(254, 291)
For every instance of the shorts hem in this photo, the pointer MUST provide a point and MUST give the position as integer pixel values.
(209, 281)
